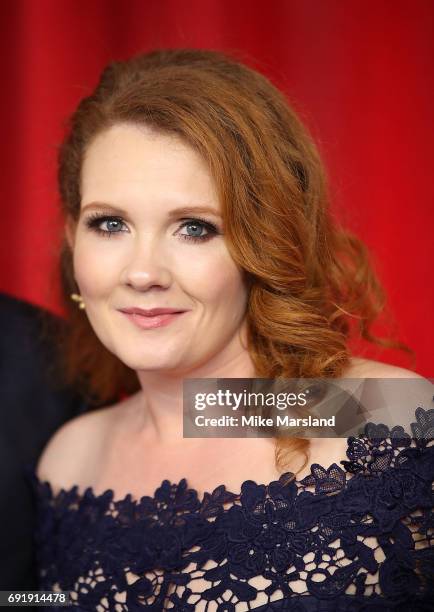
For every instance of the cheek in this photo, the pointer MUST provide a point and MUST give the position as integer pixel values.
(214, 279)
(94, 271)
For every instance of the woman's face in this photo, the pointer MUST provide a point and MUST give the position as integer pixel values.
(150, 236)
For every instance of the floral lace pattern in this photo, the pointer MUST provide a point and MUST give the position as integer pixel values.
(353, 538)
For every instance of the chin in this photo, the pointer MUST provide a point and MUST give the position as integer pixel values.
(150, 363)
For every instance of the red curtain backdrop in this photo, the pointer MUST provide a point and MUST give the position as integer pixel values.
(360, 73)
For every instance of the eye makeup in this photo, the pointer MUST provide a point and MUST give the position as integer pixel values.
(115, 224)
(95, 221)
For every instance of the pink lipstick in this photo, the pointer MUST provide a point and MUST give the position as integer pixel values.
(153, 317)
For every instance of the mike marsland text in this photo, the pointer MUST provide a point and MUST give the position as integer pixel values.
(259, 421)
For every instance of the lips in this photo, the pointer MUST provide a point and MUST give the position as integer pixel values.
(151, 312)
(152, 318)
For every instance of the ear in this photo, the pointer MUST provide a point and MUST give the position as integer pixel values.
(70, 229)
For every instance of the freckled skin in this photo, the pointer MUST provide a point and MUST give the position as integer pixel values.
(148, 264)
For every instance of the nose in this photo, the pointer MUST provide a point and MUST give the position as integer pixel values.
(147, 266)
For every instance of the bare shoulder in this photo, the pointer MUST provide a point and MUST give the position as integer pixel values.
(398, 400)
(74, 449)
(367, 368)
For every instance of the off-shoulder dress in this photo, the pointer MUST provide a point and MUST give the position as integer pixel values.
(355, 537)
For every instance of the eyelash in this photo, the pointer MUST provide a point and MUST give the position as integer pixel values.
(94, 221)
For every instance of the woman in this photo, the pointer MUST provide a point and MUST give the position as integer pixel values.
(199, 245)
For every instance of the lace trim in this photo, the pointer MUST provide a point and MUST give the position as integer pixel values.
(326, 536)
(370, 453)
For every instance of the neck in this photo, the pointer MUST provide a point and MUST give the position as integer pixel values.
(160, 401)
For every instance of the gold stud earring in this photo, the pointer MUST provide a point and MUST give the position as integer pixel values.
(75, 297)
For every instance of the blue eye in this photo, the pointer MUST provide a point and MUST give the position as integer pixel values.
(106, 225)
(195, 229)
(111, 225)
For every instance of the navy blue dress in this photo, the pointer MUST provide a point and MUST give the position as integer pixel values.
(355, 538)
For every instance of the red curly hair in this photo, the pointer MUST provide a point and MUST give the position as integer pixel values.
(309, 280)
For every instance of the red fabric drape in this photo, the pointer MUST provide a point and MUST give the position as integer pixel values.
(359, 72)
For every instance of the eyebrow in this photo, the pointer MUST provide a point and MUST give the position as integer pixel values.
(183, 210)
